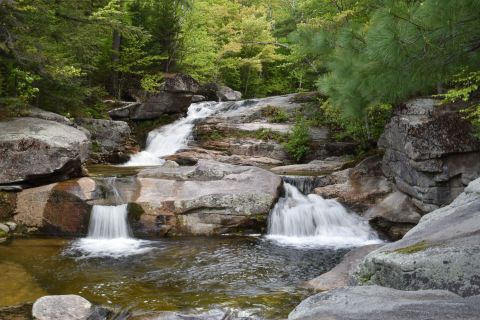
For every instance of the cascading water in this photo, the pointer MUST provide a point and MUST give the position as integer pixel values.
(170, 138)
(108, 233)
(310, 220)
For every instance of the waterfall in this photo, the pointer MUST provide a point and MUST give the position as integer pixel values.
(313, 221)
(108, 233)
(170, 138)
(109, 222)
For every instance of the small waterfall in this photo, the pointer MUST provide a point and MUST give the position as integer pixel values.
(109, 222)
(305, 184)
(108, 233)
(313, 221)
(170, 138)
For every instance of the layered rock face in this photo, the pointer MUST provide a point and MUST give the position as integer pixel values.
(430, 153)
(111, 140)
(205, 199)
(38, 150)
(174, 97)
(378, 303)
(441, 252)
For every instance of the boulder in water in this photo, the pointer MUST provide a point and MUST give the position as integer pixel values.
(41, 150)
(62, 307)
(379, 303)
(204, 199)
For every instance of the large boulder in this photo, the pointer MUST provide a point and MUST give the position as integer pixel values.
(430, 152)
(378, 303)
(37, 150)
(204, 199)
(173, 97)
(441, 252)
(216, 92)
(111, 140)
(59, 208)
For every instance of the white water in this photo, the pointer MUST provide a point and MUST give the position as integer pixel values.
(170, 138)
(108, 233)
(307, 221)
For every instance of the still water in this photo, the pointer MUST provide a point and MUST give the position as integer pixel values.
(251, 274)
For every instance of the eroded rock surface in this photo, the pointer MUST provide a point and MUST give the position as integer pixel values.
(379, 303)
(430, 153)
(441, 252)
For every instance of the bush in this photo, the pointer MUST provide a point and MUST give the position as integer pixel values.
(298, 141)
(275, 115)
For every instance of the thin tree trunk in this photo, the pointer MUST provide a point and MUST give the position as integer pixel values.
(115, 57)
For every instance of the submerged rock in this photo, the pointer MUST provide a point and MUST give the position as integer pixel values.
(41, 150)
(379, 303)
(62, 307)
(441, 252)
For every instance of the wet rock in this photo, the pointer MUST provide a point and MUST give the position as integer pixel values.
(430, 152)
(360, 187)
(379, 303)
(342, 274)
(41, 150)
(198, 98)
(111, 140)
(441, 252)
(315, 167)
(11, 225)
(394, 215)
(60, 208)
(4, 228)
(62, 307)
(205, 199)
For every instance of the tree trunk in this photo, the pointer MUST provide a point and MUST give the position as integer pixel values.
(115, 57)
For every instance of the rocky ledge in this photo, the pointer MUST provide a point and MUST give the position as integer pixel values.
(203, 199)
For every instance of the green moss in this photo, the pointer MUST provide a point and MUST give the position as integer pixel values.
(365, 278)
(135, 211)
(3, 234)
(417, 247)
(96, 148)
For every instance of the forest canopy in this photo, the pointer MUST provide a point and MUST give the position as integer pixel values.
(68, 56)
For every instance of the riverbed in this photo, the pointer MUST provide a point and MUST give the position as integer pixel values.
(251, 276)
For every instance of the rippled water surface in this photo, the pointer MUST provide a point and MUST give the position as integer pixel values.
(186, 275)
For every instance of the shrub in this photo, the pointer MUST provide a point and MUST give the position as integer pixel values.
(298, 141)
(275, 115)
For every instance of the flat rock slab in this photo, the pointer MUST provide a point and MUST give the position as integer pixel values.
(441, 252)
(340, 275)
(63, 307)
(315, 167)
(379, 303)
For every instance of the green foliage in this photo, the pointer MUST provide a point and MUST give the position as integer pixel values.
(298, 142)
(275, 114)
(417, 247)
(363, 130)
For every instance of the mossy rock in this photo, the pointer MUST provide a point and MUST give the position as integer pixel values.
(417, 247)
(3, 234)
